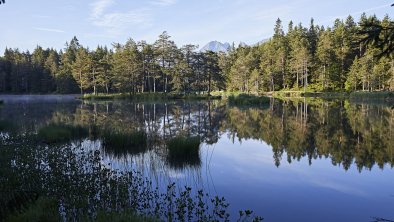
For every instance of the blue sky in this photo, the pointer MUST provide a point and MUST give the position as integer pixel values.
(50, 23)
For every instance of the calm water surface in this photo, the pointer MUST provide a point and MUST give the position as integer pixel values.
(304, 160)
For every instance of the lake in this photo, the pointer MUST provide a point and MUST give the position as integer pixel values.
(299, 160)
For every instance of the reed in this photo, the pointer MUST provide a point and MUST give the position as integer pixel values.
(123, 143)
(184, 151)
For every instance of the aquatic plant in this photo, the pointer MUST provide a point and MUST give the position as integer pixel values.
(184, 151)
(123, 143)
(59, 132)
(83, 187)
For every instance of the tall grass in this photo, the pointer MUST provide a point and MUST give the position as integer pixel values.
(123, 143)
(184, 151)
(58, 133)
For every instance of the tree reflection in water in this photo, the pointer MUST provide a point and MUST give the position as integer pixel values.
(134, 137)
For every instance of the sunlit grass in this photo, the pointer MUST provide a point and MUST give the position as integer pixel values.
(150, 96)
(372, 95)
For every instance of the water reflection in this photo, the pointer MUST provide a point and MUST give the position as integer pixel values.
(153, 138)
(346, 133)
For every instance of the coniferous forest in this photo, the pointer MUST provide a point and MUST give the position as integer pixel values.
(307, 58)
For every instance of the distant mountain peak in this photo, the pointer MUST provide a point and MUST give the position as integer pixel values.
(216, 46)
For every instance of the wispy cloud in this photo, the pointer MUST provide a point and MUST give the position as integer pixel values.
(42, 16)
(358, 12)
(99, 7)
(49, 30)
(116, 22)
(163, 2)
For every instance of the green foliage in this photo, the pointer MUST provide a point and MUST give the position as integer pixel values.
(310, 58)
(58, 133)
(125, 216)
(67, 189)
(44, 209)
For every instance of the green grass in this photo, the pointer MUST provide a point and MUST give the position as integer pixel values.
(336, 95)
(387, 95)
(46, 210)
(184, 151)
(247, 100)
(125, 216)
(149, 97)
(324, 95)
(194, 97)
(123, 143)
(58, 133)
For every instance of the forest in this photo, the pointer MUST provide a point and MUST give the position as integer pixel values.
(314, 58)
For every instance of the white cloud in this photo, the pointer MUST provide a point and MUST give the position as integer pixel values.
(372, 9)
(117, 22)
(163, 2)
(42, 16)
(49, 30)
(99, 7)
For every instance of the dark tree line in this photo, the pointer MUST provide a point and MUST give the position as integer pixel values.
(133, 67)
(347, 56)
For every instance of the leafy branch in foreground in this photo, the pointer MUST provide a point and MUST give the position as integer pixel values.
(82, 186)
(378, 34)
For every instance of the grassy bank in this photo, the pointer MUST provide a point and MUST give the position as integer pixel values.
(247, 100)
(335, 95)
(149, 97)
